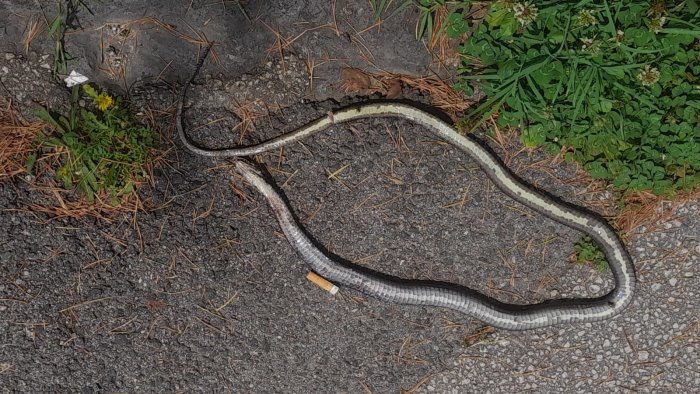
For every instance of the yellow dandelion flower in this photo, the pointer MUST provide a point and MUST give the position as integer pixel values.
(103, 101)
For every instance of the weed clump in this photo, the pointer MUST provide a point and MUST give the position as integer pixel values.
(587, 252)
(103, 151)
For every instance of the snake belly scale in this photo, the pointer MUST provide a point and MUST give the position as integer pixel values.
(492, 312)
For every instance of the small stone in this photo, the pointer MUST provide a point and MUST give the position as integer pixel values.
(673, 281)
(5, 70)
(9, 56)
(643, 355)
(46, 66)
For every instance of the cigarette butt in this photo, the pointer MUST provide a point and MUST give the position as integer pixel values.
(322, 283)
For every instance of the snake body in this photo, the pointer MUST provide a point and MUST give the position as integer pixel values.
(383, 287)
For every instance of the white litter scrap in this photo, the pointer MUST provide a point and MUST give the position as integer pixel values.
(75, 78)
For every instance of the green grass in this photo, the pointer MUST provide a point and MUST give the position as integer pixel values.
(616, 84)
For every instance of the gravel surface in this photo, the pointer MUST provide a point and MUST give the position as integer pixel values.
(203, 293)
(652, 347)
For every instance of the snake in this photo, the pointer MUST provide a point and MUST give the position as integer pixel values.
(431, 293)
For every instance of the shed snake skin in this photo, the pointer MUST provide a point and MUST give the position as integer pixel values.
(428, 293)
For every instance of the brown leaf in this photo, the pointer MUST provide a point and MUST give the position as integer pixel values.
(393, 89)
(355, 80)
(155, 305)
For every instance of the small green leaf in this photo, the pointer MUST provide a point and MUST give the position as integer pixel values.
(534, 135)
(605, 105)
(509, 25)
(464, 87)
(56, 24)
(423, 22)
(31, 160)
(44, 115)
(128, 189)
(90, 91)
(655, 90)
(496, 16)
(456, 25)
(638, 36)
